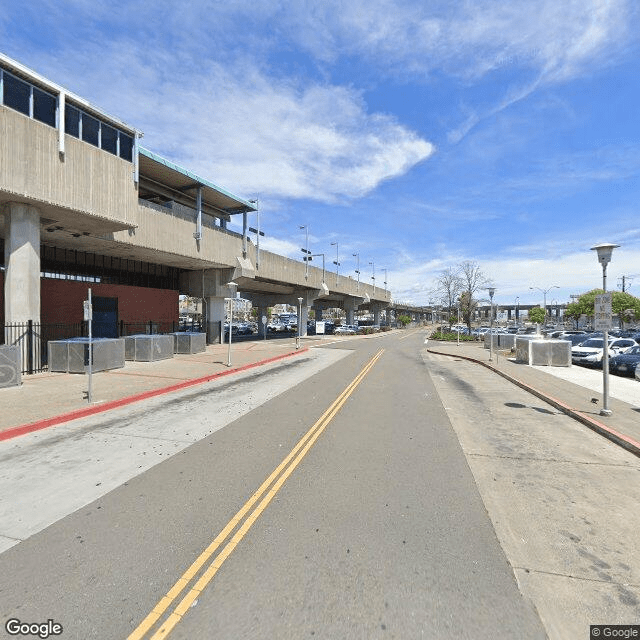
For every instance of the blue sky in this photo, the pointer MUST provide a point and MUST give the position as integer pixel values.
(417, 135)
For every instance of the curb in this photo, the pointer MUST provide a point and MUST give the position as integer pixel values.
(14, 432)
(611, 434)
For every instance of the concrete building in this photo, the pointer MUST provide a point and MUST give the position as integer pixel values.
(83, 204)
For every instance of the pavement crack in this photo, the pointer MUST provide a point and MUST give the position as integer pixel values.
(573, 577)
(559, 460)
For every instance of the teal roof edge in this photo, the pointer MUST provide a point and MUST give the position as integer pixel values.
(196, 178)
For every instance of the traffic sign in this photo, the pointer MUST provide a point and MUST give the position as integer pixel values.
(603, 317)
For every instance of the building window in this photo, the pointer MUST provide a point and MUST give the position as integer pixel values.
(44, 107)
(90, 130)
(71, 121)
(126, 147)
(109, 139)
(41, 105)
(17, 94)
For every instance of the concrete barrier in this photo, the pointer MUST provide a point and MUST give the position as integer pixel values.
(555, 353)
(148, 348)
(72, 356)
(10, 366)
(189, 342)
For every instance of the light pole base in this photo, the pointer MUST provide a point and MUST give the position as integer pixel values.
(606, 412)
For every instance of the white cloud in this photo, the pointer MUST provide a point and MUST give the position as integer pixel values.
(242, 129)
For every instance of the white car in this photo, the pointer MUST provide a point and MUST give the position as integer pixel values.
(345, 329)
(590, 351)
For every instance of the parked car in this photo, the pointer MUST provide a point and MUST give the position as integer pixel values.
(589, 352)
(625, 364)
(575, 338)
(345, 329)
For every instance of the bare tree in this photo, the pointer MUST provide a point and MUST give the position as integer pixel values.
(473, 280)
(449, 286)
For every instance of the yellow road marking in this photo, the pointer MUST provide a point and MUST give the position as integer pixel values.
(294, 457)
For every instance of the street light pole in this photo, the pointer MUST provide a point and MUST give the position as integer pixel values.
(373, 277)
(306, 251)
(337, 262)
(233, 287)
(357, 257)
(492, 290)
(299, 322)
(545, 291)
(604, 251)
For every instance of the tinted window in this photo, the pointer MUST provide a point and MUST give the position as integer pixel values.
(44, 107)
(16, 94)
(90, 129)
(594, 342)
(126, 146)
(109, 139)
(72, 121)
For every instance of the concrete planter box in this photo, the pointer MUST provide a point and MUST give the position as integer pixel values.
(189, 342)
(148, 348)
(554, 353)
(10, 366)
(72, 356)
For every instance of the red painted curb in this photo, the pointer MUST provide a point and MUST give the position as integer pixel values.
(620, 439)
(14, 432)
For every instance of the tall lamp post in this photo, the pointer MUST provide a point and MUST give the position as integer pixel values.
(306, 251)
(233, 287)
(491, 290)
(337, 261)
(517, 309)
(299, 322)
(357, 257)
(373, 277)
(604, 251)
(545, 291)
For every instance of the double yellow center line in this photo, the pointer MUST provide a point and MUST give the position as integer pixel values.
(264, 495)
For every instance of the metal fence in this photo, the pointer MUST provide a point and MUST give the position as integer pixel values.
(33, 337)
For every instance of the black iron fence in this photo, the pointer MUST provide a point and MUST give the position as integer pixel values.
(33, 337)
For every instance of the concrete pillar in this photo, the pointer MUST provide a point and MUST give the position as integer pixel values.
(376, 315)
(318, 313)
(216, 311)
(350, 307)
(304, 318)
(262, 328)
(22, 262)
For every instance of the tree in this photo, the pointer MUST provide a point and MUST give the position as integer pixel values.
(404, 320)
(537, 315)
(449, 286)
(473, 279)
(624, 305)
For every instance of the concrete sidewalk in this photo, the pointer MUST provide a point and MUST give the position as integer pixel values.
(569, 389)
(52, 398)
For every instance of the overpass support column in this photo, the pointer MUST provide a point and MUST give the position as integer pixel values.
(22, 261)
(211, 285)
(216, 312)
(350, 307)
(318, 312)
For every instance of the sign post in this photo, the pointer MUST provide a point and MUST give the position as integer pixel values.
(603, 321)
(88, 316)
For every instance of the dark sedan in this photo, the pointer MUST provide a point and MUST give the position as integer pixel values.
(624, 364)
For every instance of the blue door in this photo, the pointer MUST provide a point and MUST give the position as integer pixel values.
(105, 317)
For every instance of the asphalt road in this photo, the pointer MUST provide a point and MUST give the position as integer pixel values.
(375, 529)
